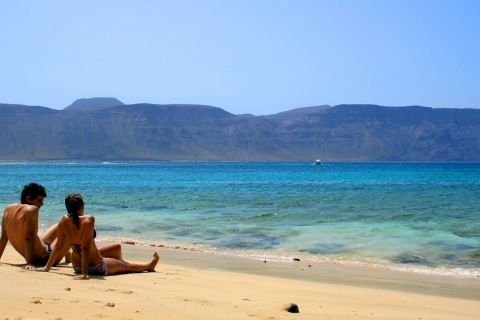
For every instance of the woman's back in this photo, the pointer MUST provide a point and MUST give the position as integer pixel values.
(81, 236)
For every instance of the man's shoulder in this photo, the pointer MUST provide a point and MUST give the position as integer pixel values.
(30, 208)
(15, 209)
(18, 213)
(12, 208)
(13, 205)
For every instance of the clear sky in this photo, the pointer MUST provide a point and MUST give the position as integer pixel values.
(244, 56)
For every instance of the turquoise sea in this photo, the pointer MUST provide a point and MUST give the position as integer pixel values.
(404, 216)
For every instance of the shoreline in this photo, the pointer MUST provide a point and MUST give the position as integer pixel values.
(194, 285)
(451, 286)
(367, 264)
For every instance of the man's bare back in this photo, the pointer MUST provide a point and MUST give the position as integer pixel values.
(20, 222)
(20, 227)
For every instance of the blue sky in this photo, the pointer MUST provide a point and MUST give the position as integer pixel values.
(246, 56)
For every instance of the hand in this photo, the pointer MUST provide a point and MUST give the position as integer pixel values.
(82, 277)
(33, 268)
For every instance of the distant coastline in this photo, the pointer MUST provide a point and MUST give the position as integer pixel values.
(108, 130)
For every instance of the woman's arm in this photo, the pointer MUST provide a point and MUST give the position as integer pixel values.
(85, 246)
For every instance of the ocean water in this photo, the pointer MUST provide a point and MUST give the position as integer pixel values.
(404, 216)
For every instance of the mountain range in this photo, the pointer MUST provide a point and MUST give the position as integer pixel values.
(105, 129)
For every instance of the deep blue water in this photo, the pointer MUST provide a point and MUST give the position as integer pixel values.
(413, 216)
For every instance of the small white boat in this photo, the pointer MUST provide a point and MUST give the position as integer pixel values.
(318, 162)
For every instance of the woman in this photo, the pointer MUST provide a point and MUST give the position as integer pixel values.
(77, 231)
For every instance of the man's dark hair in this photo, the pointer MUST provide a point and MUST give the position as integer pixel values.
(32, 190)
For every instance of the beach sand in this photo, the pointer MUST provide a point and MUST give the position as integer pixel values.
(195, 285)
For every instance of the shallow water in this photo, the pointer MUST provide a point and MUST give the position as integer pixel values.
(403, 216)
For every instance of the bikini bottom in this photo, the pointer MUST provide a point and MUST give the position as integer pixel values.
(43, 262)
(94, 269)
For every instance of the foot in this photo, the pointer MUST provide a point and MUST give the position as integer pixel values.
(154, 262)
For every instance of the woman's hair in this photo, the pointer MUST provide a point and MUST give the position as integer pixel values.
(32, 190)
(73, 203)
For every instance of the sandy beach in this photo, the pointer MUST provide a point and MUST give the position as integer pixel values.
(194, 285)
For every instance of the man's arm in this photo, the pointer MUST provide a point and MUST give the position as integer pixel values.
(30, 230)
(4, 238)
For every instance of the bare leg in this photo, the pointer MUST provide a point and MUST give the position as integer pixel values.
(119, 266)
(50, 234)
(111, 251)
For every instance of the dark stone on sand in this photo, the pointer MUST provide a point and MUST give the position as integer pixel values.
(296, 259)
(292, 308)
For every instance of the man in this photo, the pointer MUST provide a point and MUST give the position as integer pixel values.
(20, 226)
